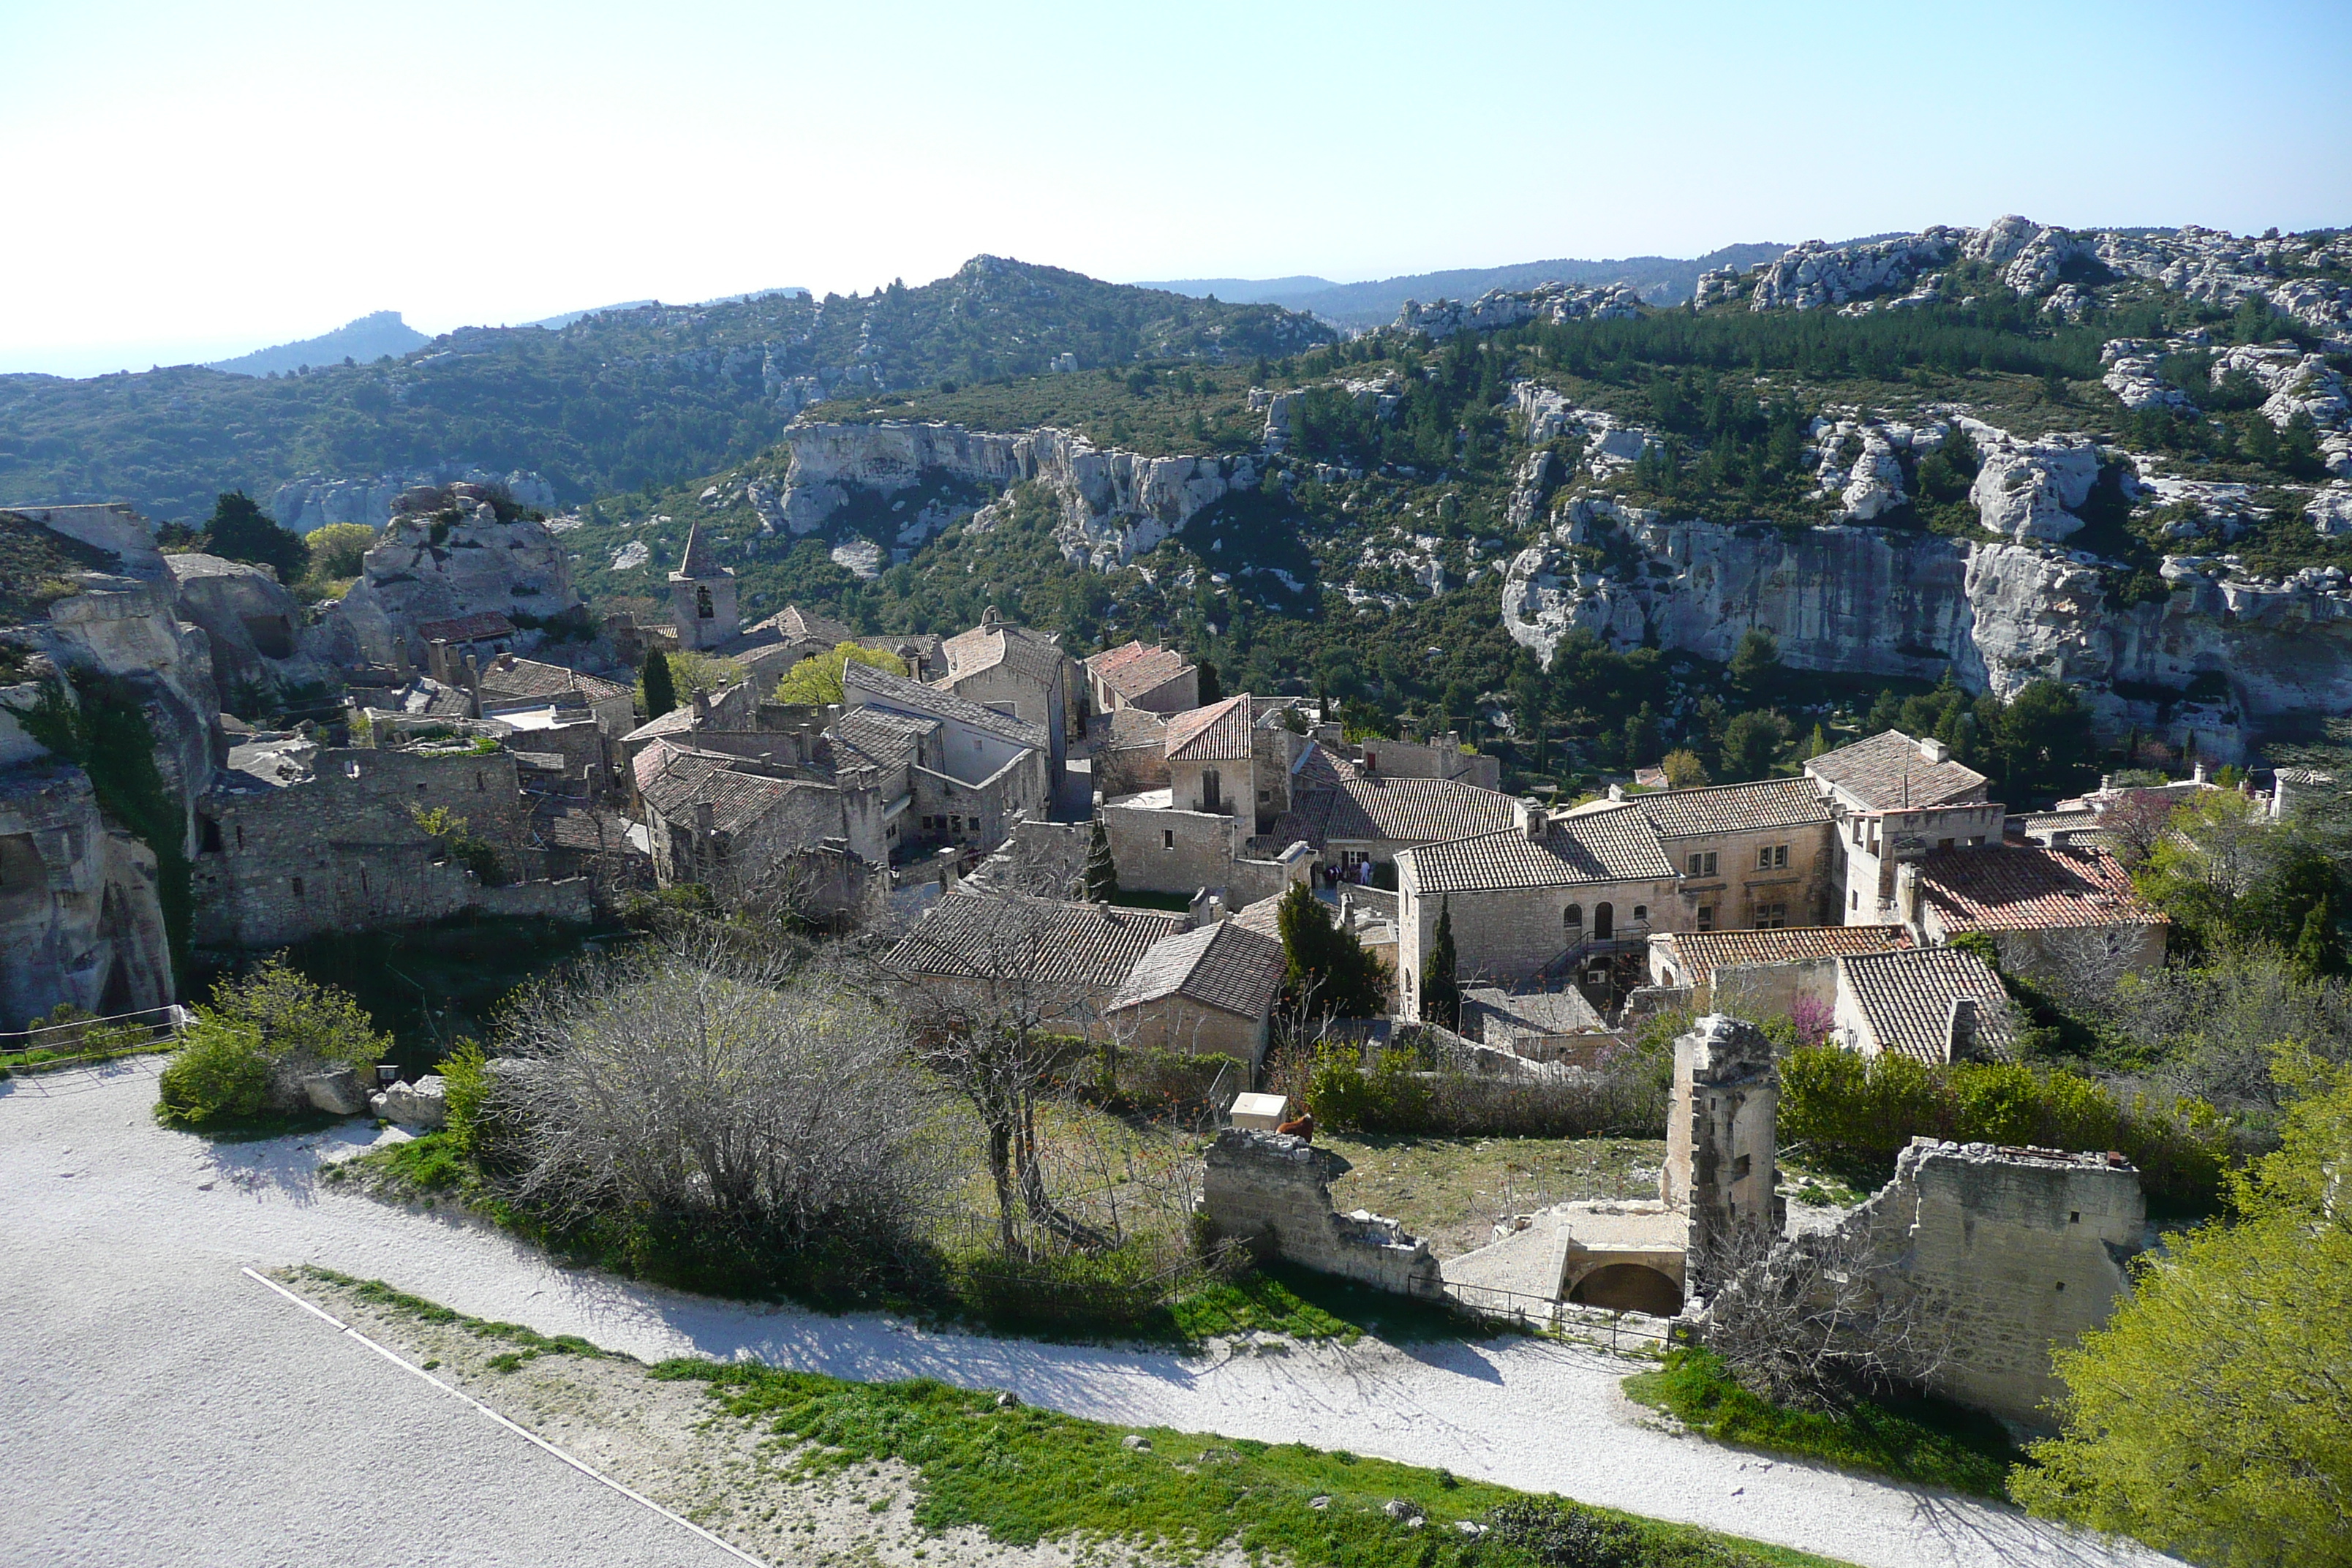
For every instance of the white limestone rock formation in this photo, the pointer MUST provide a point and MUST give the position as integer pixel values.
(2131, 365)
(2297, 383)
(2329, 510)
(2028, 487)
(1813, 274)
(261, 647)
(81, 918)
(1860, 461)
(1997, 616)
(1115, 504)
(1499, 308)
(315, 500)
(443, 556)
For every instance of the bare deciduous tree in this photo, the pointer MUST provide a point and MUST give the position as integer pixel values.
(1814, 1318)
(700, 1085)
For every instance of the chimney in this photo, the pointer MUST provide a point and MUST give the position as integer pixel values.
(1530, 813)
(1616, 792)
(473, 686)
(2197, 773)
(2106, 784)
(1960, 1030)
(1935, 751)
(701, 709)
(400, 654)
(1906, 898)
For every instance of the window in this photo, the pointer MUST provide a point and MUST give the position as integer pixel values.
(212, 843)
(1703, 864)
(1641, 914)
(702, 606)
(1211, 791)
(1943, 844)
(1771, 917)
(1854, 900)
(1771, 857)
(298, 887)
(240, 835)
(1604, 921)
(1168, 838)
(1706, 917)
(1572, 917)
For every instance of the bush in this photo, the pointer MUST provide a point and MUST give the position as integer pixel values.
(1859, 1112)
(1562, 1534)
(272, 1027)
(220, 1073)
(1416, 1086)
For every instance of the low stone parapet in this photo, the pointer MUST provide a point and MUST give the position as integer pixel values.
(1274, 1192)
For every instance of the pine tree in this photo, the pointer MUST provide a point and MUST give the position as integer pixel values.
(1326, 969)
(1211, 691)
(1441, 992)
(1102, 873)
(240, 530)
(660, 691)
(2318, 948)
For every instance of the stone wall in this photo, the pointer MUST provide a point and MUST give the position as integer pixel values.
(2022, 1250)
(1720, 1165)
(1740, 891)
(1275, 1192)
(1504, 935)
(1160, 850)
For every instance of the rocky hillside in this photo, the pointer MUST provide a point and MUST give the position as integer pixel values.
(1991, 457)
(613, 401)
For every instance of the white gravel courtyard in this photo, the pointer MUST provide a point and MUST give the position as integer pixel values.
(174, 1411)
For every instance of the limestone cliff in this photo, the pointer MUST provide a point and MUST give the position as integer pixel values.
(1115, 504)
(446, 555)
(2219, 656)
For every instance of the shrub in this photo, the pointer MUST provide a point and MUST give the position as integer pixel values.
(220, 1073)
(1860, 1111)
(1562, 1534)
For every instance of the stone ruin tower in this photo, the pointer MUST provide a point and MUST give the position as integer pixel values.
(1720, 1125)
(702, 597)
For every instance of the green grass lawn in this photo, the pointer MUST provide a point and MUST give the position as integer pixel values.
(1449, 1190)
(1929, 1441)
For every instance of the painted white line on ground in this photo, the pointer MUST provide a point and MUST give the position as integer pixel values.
(591, 1471)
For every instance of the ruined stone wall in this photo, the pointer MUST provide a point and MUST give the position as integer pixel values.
(342, 852)
(1275, 1192)
(1160, 850)
(2024, 1250)
(1720, 1161)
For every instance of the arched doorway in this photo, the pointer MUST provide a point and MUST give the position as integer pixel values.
(1604, 921)
(1628, 1287)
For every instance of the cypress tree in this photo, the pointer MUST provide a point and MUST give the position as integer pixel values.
(661, 691)
(1102, 874)
(1440, 993)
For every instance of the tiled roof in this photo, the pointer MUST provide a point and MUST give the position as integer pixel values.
(987, 645)
(1887, 772)
(511, 676)
(1617, 846)
(1907, 998)
(1217, 733)
(1132, 728)
(476, 628)
(1031, 940)
(2031, 887)
(1321, 767)
(1136, 669)
(888, 740)
(1222, 965)
(888, 691)
(673, 780)
(582, 828)
(1264, 917)
(1394, 811)
(678, 720)
(791, 626)
(1703, 952)
(1735, 809)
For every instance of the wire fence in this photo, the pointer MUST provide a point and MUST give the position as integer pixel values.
(88, 1039)
(1611, 1329)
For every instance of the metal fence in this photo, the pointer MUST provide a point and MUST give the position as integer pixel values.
(1612, 1330)
(84, 1040)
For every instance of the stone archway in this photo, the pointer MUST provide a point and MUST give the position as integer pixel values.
(1628, 1287)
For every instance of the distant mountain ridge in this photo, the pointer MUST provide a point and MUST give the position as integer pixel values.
(369, 338)
(1662, 280)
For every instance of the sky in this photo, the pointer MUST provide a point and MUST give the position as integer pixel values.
(189, 182)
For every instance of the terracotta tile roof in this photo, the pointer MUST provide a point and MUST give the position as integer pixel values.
(1035, 941)
(1133, 728)
(673, 780)
(1905, 998)
(1264, 917)
(1380, 809)
(1735, 809)
(1223, 966)
(584, 828)
(476, 627)
(678, 720)
(791, 626)
(885, 689)
(1136, 669)
(1701, 953)
(1217, 733)
(1616, 846)
(1887, 772)
(1321, 767)
(509, 675)
(2031, 887)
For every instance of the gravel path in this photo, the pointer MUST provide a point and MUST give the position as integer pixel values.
(166, 1400)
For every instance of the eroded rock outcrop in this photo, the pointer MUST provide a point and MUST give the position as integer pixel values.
(260, 646)
(1507, 308)
(315, 500)
(445, 556)
(2028, 487)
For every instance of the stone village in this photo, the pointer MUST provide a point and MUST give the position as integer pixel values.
(464, 757)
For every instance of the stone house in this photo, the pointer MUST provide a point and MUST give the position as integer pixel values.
(1761, 973)
(298, 840)
(1353, 817)
(2046, 908)
(1895, 799)
(1528, 898)
(1127, 749)
(1441, 757)
(1935, 1005)
(510, 678)
(1137, 674)
(969, 769)
(1019, 672)
(735, 707)
(1209, 990)
(754, 835)
(449, 645)
(1050, 963)
(1755, 856)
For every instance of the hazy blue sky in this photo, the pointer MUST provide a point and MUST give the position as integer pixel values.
(186, 180)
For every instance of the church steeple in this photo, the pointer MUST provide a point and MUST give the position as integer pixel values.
(702, 597)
